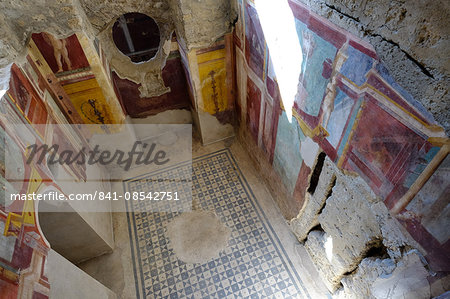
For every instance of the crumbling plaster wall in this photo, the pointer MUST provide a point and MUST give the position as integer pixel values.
(103, 14)
(19, 19)
(353, 240)
(198, 24)
(410, 38)
(201, 23)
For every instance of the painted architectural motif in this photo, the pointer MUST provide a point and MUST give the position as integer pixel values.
(349, 105)
(24, 248)
(44, 90)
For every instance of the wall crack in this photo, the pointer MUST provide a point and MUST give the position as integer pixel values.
(412, 59)
(369, 32)
(356, 19)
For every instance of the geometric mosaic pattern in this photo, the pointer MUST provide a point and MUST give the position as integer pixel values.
(253, 265)
(176, 179)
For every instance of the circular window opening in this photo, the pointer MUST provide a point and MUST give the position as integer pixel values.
(137, 36)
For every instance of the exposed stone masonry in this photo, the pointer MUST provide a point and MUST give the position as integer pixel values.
(354, 242)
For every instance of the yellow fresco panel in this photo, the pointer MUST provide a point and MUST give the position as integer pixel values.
(91, 105)
(80, 86)
(208, 56)
(212, 73)
(33, 187)
(102, 76)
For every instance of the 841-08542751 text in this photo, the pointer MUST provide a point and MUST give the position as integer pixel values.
(153, 195)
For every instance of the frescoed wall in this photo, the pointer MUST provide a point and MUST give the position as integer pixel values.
(213, 81)
(253, 108)
(50, 87)
(255, 45)
(24, 248)
(174, 78)
(209, 72)
(349, 107)
(81, 72)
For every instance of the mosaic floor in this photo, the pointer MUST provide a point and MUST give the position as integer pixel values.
(253, 265)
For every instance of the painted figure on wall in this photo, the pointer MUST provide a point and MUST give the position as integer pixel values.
(312, 84)
(62, 55)
(18, 91)
(59, 51)
(23, 94)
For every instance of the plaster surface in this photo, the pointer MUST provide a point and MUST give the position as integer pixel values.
(197, 236)
(61, 272)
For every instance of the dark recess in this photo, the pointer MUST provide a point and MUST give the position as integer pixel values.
(316, 173)
(137, 36)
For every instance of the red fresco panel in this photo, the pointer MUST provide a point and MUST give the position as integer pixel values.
(391, 94)
(300, 12)
(178, 97)
(327, 32)
(70, 53)
(253, 108)
(380, 147)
